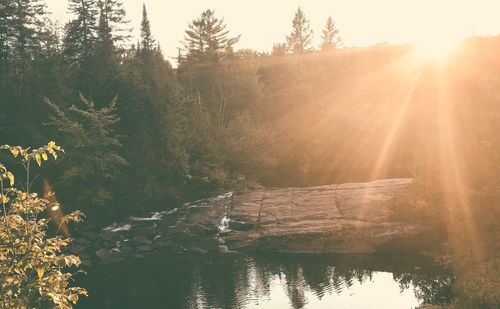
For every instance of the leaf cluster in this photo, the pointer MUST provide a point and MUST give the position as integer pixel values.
(35, 270)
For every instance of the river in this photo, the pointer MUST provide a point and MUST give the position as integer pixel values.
(269, 281)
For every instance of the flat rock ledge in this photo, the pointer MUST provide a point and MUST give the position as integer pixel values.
(347, 218)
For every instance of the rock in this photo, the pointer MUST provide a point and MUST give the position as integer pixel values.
(162, 244)
(144, 248)
(346, 218)
(80, 242)
(77, 249)
(198, 250)
(102, 253)
(90, 235)
(240, 226)
(141, 240)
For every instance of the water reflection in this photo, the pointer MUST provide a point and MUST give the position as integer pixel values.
(237, 281)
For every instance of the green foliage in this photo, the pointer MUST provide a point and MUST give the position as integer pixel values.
(90, 171)
(207, 38)
(20, 20)
(81, 32)
(300, 39)
(147, 40)
(330, 36)
(34, 269)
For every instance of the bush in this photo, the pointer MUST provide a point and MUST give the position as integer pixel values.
(34, 270)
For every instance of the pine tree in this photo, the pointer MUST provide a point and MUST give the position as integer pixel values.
(20, 24)
(207, 37)
(112, 20)
(81, 32)
(21, 31)
(330, 36)
(27, 20)
(111, 33)
(299, 40)
(147, 40)
(7, 9)
(80, 42)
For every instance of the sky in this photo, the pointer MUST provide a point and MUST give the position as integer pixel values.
(361, 22)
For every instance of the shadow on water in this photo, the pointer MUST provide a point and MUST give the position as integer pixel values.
(270, 281)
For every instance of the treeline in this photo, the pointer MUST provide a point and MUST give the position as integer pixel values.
(139, 134)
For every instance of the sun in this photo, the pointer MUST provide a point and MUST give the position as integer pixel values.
(436, 47)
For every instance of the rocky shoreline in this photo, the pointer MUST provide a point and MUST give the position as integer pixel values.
(334, 219)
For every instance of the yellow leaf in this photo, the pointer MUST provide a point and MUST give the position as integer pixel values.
(40, 272)
(11, 178)
(5, 199)
(14, 152)
(24, 153)
(44, 156)
(51, 145)
(38, 159)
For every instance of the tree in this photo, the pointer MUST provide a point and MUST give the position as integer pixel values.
(81, 32)
(330, 36)
(111, 33)
(33, 266)
(112, 21)
(153, 126)
(7, 9)
(299, 40)
(80, 42)
(147, 40)
(207, 38)
(21, 23)
(27, 19)
(26, 43)
(279, 49)
(94, 163)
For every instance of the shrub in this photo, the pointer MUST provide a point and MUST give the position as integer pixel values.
(34, 270)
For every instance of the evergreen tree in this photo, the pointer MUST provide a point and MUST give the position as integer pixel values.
(299, 40)
(111, 33)
(147, 40)
(207, 38)
(27, 19)
(81, 32)
(153, 123)
(330, 36)
(22, 51)
(112, 21)
(7, 9)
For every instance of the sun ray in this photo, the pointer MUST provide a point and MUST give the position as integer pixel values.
(390, 139)
(461, 225)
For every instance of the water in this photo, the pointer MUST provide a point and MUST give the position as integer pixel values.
(279, 281)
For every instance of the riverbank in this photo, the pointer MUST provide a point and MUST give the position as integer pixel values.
(351, 218)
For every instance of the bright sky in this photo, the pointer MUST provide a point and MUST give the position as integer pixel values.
(361, 22)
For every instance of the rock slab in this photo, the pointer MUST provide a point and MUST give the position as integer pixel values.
(345, 218)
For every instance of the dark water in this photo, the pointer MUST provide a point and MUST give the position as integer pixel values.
(280, 281)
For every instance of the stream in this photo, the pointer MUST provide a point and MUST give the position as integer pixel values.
(152, 262)
(272, 281)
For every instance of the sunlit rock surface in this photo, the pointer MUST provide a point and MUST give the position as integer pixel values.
(346, 218)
